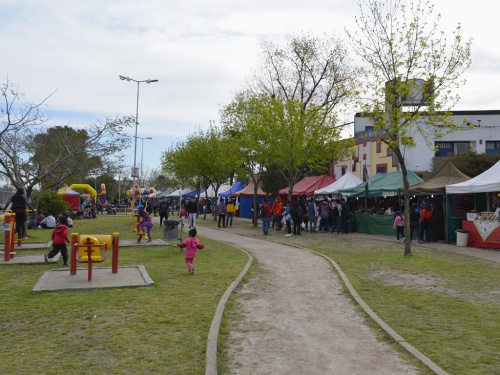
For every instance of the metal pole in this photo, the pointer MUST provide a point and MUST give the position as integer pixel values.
(135, 144)
(142, 156)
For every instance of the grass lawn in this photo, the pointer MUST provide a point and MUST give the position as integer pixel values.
(160, 329)
(446, 305)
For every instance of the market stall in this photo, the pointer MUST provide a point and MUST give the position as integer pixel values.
(381, 186)
(484, 227)
(445, 221)
(483, 230)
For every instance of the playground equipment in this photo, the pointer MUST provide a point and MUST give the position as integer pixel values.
(9, 244)
(137, 228)
(93, 249)
(87, 188)
(9, 234)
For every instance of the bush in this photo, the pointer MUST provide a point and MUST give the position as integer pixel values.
(52, 203)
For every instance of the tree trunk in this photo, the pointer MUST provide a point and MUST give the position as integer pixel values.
(406, 203)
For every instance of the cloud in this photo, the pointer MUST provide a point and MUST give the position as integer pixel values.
(202, 53)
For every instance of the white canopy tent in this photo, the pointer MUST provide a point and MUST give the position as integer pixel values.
(488, 181)
(347, 181)
(180, 192)
(211, 191)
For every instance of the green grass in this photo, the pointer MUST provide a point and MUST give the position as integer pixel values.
(160, 329)
(446, 305)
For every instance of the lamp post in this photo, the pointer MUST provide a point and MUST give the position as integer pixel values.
(142, 150)
(134, 173)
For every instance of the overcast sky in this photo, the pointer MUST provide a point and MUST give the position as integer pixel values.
(202, 52)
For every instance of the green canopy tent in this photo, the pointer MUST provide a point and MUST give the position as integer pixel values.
(164, 194)
(381, 185)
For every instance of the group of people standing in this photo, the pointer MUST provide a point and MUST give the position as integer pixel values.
(226, 209)
(304, 216)
(420, 222)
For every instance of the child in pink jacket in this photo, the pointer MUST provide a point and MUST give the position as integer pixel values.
(399, 225)
(192, 245)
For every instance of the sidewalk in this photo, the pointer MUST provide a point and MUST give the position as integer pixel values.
(293, 318)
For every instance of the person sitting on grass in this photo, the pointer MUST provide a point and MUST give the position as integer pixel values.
(192, 245)
(59, 241)
(49, 222)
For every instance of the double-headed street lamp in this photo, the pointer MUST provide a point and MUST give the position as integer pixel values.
(142, 151)
(134, 173)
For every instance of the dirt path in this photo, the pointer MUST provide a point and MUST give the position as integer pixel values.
(293, 318)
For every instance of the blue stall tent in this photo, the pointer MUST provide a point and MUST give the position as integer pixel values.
(237, 186)
(246, 199)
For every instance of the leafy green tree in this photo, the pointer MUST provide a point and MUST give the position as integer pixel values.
(272, 180)
(284, 134)
(400, 44)
(204, 159)
(471, 163)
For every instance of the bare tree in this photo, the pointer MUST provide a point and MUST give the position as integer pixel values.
(33, 156)
(307, 69)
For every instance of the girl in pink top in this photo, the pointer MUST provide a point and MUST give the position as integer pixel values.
(399, 225)
(192, 245)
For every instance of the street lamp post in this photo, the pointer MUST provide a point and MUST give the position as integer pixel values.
(134, 173)
(142, 152)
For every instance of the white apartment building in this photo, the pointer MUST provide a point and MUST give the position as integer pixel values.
(377, 158)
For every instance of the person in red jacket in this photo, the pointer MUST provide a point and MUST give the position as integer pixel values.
(426, 223)
(59, 241)
(192, 245)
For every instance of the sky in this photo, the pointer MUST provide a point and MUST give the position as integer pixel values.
(201, 52)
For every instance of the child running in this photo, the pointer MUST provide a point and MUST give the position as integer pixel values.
(192, 245)
(59, 241)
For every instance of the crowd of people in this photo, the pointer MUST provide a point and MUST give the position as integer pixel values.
(328, 215)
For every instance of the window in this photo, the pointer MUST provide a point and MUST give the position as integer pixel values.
(364, 156)
(379, 147)
(444, 148)
(447, 148)
(344, 170)
(381, 168)
(492, 147)
(461, 147)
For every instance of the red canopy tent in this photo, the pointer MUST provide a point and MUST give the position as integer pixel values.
(307, 185)
(248, 191)
(70, 196)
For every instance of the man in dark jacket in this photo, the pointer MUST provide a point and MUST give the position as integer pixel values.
(19, 204)
(191, 209)
(163, 208)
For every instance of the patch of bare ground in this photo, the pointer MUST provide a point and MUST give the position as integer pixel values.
(430, 283)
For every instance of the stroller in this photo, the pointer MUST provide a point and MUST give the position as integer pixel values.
(110, 209)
